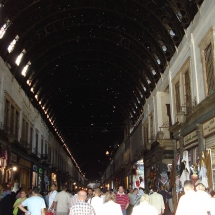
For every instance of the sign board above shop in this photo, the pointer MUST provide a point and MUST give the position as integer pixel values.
(190, 138)
(209, 127)
(25, 163)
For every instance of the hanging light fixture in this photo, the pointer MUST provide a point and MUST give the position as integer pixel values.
(181, 117)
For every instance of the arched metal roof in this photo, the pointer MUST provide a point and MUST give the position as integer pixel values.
(92, 63)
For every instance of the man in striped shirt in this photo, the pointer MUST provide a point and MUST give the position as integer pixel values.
(122, 199)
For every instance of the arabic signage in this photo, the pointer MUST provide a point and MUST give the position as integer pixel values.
(190, 138)
(209, 127)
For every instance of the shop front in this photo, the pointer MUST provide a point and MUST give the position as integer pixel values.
(3, 165)
(191, 149)
(40, 179)
(54, 178)
(208, 155)
(138, 174)
(46, 180)
(23, 173)
(34, 176)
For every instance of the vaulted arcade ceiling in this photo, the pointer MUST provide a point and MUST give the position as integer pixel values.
(92, 63)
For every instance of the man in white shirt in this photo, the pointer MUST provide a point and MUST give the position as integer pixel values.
(61, 202)
(191, 202)
(103, 194)
(96, 201)
(35, 204)
(52, 195)
(156, 200)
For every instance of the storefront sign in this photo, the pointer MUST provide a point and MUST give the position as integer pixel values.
(40, 170)
(34, 168)
(13, 157)
(209, 127)
(190, 138)
(25, 163)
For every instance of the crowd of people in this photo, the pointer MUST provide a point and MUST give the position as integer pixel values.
(107, 202)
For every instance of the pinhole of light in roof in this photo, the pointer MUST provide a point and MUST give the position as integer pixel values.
(171, 33)
(25, 69)
(4, 28)
(153, 72)
(28, 82)
(20, 56)
(12, 44)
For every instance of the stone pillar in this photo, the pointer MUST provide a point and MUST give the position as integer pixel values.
(201, 142)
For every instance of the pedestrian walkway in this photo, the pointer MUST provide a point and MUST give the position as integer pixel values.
(167, 213)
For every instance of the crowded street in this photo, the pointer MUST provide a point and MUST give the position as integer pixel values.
(107, 107)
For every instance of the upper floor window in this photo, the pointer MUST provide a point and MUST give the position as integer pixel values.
(11, 116)
(36, 143)
(208, 63)
(16, 125)
(187, 90)
(42, 146)
(46, 147)
(31, 135)
(145, 133)
(151, 126)
(209, 69)
(49, 153)
(177, 97)
(6, 115)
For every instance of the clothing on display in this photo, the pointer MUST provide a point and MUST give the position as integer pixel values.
(186, 160)
(15, 187)
(206, 161)
(203, 176)
(164, 178)
(184, 176)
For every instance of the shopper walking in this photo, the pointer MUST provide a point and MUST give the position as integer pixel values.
(110, 207)
(133, 197)
(191, 202)
(96, 201)
(89, 194)
(35, 204)
(16, 210)
(81, 207)
(62, 201)
(156, 200)
(144, 207)
(170, 202)
(52, 195)
(122, 199)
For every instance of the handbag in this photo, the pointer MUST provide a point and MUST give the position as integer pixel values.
(48, 213)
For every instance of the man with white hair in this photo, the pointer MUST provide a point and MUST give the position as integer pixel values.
(81, 206)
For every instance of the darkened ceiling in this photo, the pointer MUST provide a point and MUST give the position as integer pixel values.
(93, 63)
